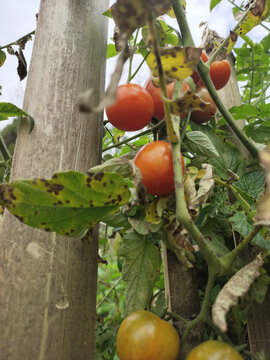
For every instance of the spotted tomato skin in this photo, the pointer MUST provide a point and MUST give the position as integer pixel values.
(144, 336)
(214, 350)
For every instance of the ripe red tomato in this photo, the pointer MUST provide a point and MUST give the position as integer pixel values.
(201, 117)
(220, 72)
(213, 350)
(134, 108)
(195, 76)
(155, 92)
(144, 336)
(156, 165)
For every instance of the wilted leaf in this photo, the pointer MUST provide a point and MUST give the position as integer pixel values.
(3, 57)
(129, 15)
(206, 186)
(236, 287)
(140, 270)
(120, 165)
(255, 16)
(22, 65)
(200, 144)
(178, 63)
(67, 204)
(152, 215)
(160, 34)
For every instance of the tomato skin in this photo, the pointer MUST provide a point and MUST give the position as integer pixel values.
(156, 165)
(144, 336)
(134, 108)
(201, 117)
(155, 92)
(220, 72)
(213, 350)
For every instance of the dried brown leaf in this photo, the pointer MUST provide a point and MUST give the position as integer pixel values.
(236, 287)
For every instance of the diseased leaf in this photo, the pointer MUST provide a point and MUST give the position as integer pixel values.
(129, 15)
(3, 57)
(141, 224)
(142, 262)
(236, 287)
(22, 65)
(160, 33)
(178, 63)
(69, 203)
(187, 102)
(200, 144)
(255, 16)
(232, 41)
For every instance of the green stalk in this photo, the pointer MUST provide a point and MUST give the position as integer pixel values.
(131, 57)
(3, 149)
(108, 293)
(17, 41)
(228, 259)
(138, 68)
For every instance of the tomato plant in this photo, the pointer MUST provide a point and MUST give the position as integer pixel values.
(214, 350)
(133, 110)
(156, 165)
(143, 335)
(220, 72)
(204, 116)
(155, 92)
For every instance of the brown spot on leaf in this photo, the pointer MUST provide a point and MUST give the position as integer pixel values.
(99, 176)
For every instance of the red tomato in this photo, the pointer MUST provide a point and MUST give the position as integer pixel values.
(201, 117)
(195, 76)
(213, 350)
(156, 165)
(144, 336)
(220, 72)
(155, 92)
(134, 108)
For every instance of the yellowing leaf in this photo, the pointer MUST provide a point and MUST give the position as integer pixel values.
(171, 13)
(178, 63)
(189, 101)
(255, 16)
(152, 215)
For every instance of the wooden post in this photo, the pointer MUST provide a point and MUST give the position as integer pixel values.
(48, 282)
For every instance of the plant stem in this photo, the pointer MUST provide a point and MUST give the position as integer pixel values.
(17, 41)
(177, 317)
(3, 149)
(148, 131)
(184, 128)
(131, 57)
(138, 68)
(108, 293)
(228, 259)
(203, 70)
(252, 76)
(244, 204)
(203, 315)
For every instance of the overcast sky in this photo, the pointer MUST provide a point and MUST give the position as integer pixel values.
(18, 18)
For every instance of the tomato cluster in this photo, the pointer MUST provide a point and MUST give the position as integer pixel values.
(144, 336)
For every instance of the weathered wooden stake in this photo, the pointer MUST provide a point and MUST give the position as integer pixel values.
(48, 282)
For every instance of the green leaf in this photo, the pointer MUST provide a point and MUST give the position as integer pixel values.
(214, 3)
(9, 110)
(107, 13)
(260, 133)
(111, 51)
(3, 57)
(141, 269)
(252, 183)
(68, 204)
(244, 228)
(200, 144)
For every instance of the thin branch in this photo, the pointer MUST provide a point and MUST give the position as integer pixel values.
(18, 41)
